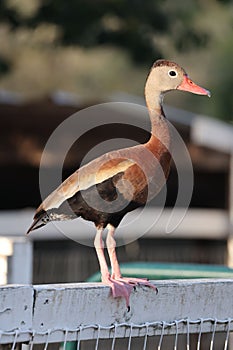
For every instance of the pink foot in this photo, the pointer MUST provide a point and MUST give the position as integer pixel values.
(119, 288)
(123, 286)
(137, 282)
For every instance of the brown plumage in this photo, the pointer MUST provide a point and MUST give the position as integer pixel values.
(109, 187)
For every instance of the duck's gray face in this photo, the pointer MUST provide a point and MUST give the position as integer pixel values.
(168, 76)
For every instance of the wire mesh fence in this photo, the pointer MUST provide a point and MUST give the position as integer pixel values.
(150, 335)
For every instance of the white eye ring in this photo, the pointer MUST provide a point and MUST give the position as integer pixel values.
(172, 73)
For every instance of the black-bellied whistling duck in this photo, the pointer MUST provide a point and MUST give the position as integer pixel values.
(123, 185)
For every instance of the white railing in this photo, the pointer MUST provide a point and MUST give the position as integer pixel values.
(198, 223)
(76, 312)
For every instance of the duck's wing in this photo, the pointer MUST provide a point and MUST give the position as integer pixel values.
(93, 173)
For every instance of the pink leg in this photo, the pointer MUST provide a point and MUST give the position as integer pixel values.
(129, 283)
(119, 289)
(111, 246)
(99, 247)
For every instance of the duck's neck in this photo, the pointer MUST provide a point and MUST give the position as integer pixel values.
(159, 124)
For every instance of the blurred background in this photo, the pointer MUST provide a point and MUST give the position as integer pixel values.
(58, 57)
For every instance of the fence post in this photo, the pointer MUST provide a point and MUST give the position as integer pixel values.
(20, 262)
(6, 250)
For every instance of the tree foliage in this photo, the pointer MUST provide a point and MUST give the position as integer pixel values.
(129, 24)
(88, 46)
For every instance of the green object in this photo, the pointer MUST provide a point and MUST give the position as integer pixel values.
(70, 345)
(163, 271)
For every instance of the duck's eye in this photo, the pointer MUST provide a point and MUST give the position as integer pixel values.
(172, 73)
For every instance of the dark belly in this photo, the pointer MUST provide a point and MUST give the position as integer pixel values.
(102, 204)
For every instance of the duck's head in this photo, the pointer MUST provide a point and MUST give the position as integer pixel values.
(167, 75)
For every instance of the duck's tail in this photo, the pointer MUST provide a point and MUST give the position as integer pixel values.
(40, 219)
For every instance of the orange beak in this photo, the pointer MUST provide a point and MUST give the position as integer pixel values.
(188, 85)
